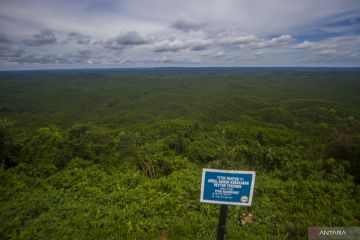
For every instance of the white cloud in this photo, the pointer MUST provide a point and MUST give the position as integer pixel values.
(177, 45)
(336, 49)
(170, 46)
(305, 45)
(279, 41)
(253, 41)
(239, 40)
(282, 39)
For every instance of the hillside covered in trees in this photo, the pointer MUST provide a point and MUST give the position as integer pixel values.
(107, 154)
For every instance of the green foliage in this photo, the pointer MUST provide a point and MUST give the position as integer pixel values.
(46, 152)
(128, 143)
(177, 143)
(87, 142)
(204, 149)
(119, 155)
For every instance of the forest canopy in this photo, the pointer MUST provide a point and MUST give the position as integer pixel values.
(119, 154)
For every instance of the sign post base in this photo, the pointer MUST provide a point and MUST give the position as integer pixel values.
(222, 222)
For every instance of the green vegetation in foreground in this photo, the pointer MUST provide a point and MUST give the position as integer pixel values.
(119, 155)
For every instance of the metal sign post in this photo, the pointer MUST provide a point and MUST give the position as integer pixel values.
(222, 222)
(226, 187)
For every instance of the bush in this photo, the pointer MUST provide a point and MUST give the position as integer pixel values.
(47, 152)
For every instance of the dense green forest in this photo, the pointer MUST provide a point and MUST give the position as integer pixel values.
(119, 155)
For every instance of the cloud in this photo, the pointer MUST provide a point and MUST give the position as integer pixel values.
(177, 45)
(75, 34)
(282, 39)
(305, 45)
(4, 38)
(111, 44)
(219, 53)
(337, 44)
(83, 41)
(255, 42)
(45, 36)
(350, 24)
(7, 51)
(131, 38)
(84, 52)
(33, 58)
(170, 46)
(239, 40)
(199, 44)
(165, 59)
(222, 33)
(340, 29)
(279, 41)
(80, 56)
(186, 24)
(79, 38)
(329, 52)
(216, 55)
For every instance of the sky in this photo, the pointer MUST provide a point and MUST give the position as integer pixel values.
(41, 34)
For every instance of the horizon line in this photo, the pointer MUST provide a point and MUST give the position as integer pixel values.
(177, 67)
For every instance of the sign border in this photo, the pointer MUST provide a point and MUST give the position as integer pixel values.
(253, 173)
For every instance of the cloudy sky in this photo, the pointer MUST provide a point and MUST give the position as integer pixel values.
(156, 33)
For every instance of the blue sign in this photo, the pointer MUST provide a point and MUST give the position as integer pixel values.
(227, 187)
